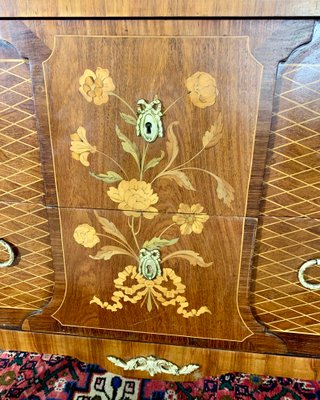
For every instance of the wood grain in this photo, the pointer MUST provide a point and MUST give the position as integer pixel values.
(167, 8)
(211, 361)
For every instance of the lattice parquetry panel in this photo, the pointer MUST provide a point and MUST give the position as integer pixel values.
(20, 174)
(292, 176)
(23, 218)
(29, 283)
(280, 301)
(289, 228)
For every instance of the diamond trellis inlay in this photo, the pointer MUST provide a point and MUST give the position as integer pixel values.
(28, 284)
(20, 174)
(289, 226)
(292, 176)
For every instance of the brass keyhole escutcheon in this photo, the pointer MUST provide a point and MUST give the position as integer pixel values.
(149, 124)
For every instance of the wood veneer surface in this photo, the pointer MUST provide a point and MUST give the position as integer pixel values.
(165, 8)
(211, 362)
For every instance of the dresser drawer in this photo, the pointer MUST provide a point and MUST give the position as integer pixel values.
(287, 251)
(100, 105)
(143, 277)
(20, 170)
(292, 174)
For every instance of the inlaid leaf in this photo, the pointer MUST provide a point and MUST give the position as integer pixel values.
(172, 144)
(109, 177)
(189, 255)
(110, 228)
(128, 119)
(128, 146)
(155, 161)
(180, 178)
(214, 134)
(107, 252)
(149, 303)
(157, 243)
(225, 191)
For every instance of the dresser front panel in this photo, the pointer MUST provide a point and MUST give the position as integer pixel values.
(181, 208)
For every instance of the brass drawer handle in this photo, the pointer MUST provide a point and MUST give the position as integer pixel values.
(303, 268)
(10, 260)
(152, 365)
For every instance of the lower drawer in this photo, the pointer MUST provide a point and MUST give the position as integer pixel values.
(166, 275)
(27, 285)
(281, 300)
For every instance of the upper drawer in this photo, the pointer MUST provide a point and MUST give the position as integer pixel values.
(203, 127)
(20, 172)
(292, 174)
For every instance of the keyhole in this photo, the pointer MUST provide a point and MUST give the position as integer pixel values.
(148, 127)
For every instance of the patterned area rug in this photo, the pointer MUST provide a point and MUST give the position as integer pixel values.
(35, 376)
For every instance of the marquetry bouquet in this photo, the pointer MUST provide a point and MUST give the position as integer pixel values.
(147, 280)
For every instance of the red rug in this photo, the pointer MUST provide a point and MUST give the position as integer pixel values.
(35, 376)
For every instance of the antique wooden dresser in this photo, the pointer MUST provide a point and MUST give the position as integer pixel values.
(160, 185)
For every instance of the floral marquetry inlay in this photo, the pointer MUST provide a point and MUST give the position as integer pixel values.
(135, 196)
(150, 284)
(80, 146)
(152, 163)
(202, 89)
(96, 86)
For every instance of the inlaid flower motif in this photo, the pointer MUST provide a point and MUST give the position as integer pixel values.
(190, 218)
(96, 86)
(202, 89)
(80, 146)
(86, 235)
(135, 197)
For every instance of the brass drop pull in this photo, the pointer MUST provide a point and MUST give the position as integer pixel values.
(10, 259)
(153, 365)
(149, 263)
(303, 268)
